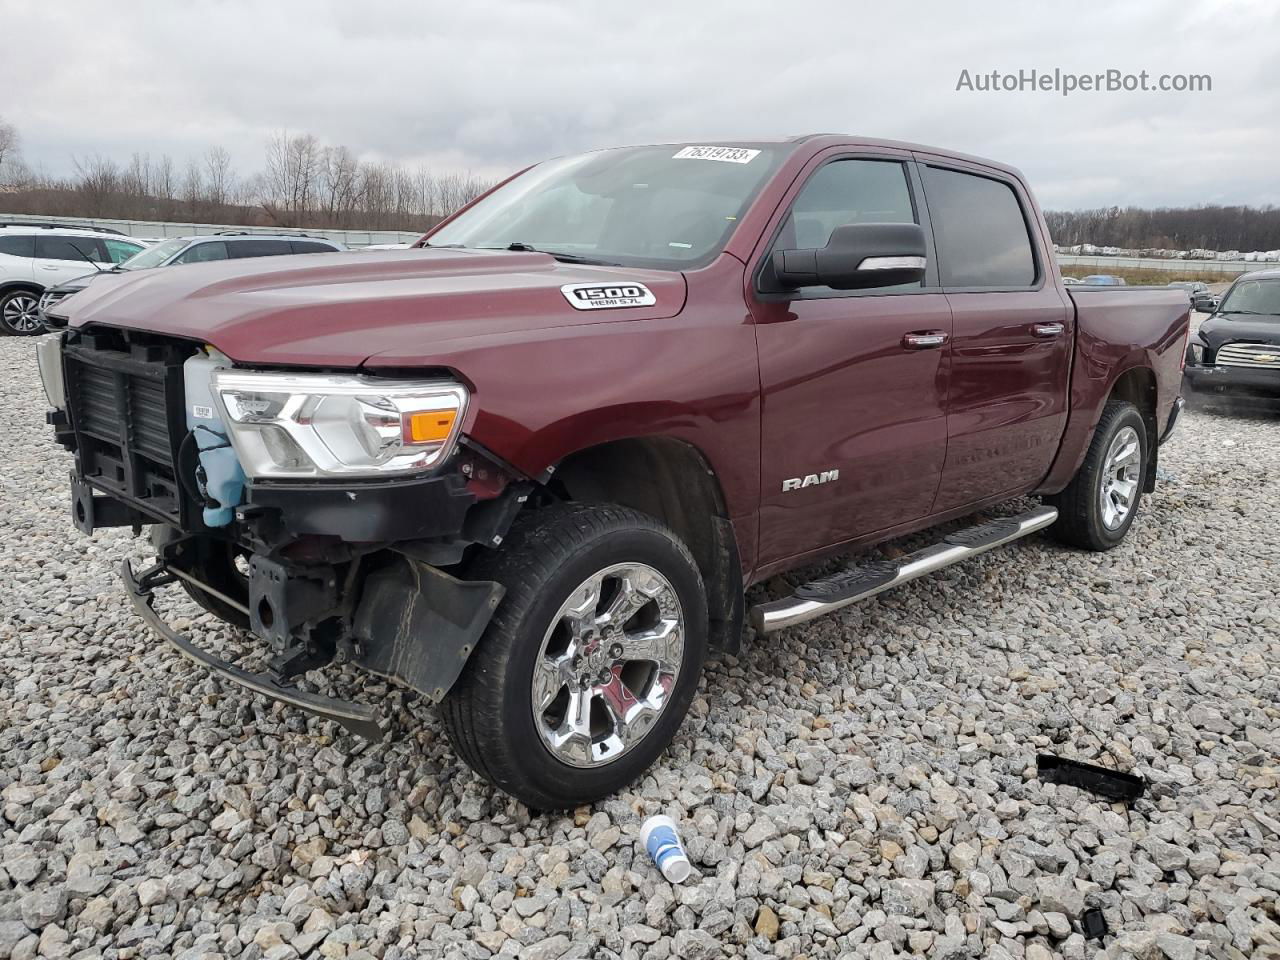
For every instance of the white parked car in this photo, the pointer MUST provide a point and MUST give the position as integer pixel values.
(34, 257)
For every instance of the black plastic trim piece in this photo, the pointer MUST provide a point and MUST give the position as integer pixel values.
(1178, 404)
(418, 625)
(984, 533)
(848, 583)
(367, 512)
(1111, 784)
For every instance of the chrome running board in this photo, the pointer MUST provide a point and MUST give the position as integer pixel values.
(856, 583)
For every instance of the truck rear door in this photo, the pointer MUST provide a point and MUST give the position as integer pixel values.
(1012, 336)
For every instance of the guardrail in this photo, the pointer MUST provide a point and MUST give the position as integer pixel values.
(1228, 268)
(157, 229)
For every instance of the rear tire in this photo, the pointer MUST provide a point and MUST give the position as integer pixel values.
(604, 620)
(1099, 505)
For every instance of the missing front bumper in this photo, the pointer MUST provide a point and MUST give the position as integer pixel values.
(361, 720)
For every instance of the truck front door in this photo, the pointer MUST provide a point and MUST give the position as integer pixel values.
(854, 383)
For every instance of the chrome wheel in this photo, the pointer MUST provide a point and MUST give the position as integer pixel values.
(21, 314)
(608, 664)
(1121, 474)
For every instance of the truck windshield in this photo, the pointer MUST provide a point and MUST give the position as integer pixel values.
(1253, 297)
(670, 206)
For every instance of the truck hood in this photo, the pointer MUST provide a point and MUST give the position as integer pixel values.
(1228, 327)
(339, 309)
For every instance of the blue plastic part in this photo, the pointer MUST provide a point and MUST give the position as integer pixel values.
(224, 479)
(223, 476)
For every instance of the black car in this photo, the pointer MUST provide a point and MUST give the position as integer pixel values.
(1202, 299)
(222, 246)
(1237, 350)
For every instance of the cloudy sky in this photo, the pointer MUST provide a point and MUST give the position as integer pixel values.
(488, 86)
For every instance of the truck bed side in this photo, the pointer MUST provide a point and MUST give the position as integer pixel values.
(1121, 332)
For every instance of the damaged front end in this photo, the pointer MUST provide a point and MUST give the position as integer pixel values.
(414, 624)
(327, 514)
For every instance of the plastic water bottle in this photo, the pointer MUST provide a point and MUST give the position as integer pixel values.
(662, 841)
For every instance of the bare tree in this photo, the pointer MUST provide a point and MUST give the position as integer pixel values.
(10, 144)
(303, 183)
(219, 179)
(193, 191)
(338, 187)
(97, 185)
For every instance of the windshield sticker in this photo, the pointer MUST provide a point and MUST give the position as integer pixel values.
(611, 296)
(723, 154)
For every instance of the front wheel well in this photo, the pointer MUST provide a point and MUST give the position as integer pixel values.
(10, 286)
(1138, 386)
(672, 481)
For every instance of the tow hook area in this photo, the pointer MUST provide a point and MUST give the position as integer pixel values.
(361, 720)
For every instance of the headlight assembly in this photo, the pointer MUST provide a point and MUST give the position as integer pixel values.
(290, 425)
(1195, 352)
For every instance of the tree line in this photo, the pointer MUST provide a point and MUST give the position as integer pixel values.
(303, 183)
(306, 183)
(1169, 228)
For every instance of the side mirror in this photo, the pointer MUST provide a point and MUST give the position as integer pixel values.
(857, 256)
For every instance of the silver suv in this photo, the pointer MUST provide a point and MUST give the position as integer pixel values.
(37, 256)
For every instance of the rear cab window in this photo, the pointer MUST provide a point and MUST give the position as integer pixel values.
(981, 231)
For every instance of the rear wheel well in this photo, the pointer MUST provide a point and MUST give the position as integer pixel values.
(1138, 386)
(672, 481)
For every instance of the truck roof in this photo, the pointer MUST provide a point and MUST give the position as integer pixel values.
(818, 141)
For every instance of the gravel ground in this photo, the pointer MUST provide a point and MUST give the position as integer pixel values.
(863, 787)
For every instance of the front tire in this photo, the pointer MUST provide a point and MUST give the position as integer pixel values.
(591, 660)
(20, 314)
(1098, 507)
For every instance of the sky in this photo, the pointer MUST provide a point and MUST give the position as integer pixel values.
(492, 85)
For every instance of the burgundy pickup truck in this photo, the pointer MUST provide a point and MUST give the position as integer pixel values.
(529, 468)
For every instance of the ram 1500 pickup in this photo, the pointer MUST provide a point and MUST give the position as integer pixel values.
(528, 468)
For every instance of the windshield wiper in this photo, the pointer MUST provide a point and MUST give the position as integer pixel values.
(87, 259)
(1249, 313)
(522, 247)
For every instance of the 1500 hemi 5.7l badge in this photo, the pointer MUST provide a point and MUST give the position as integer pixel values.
(608, 296)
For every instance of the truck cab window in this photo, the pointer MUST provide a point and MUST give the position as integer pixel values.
(844, 192)
(980, 230)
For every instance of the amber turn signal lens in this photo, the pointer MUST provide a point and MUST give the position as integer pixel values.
(432, 426)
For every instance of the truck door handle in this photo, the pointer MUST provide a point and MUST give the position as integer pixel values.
(924, 339)
(1046, 330)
